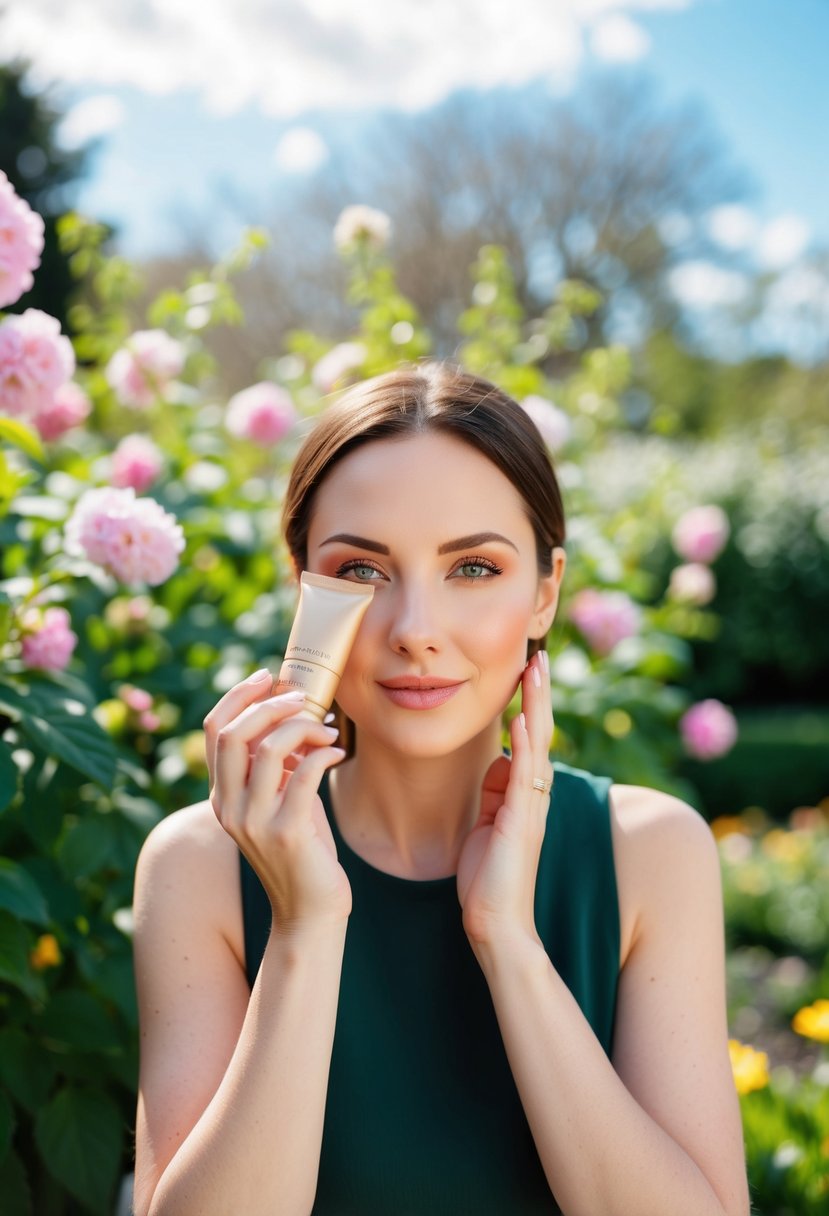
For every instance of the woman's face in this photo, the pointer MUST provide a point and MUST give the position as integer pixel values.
(442, 536)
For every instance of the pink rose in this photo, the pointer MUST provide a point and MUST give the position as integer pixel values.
(135, 539)
(553, 423)
(35, 361)
(263, 413)
(692, 583)
(48, 640)
(149, 721)
(143, 369)
(68, 408)
(708, 730)
(336, 363)
(700, 534)
(605, 618)
(21, 243)
(136, 462)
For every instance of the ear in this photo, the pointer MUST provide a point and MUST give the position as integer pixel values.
(546, 600)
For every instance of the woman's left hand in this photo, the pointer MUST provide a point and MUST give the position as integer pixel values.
(498, 864)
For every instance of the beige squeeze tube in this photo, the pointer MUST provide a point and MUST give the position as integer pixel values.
(327, 619)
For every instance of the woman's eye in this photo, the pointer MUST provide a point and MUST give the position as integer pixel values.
(362, 570)
(477, 571)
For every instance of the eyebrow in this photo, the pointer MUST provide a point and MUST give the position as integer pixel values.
(449, 546)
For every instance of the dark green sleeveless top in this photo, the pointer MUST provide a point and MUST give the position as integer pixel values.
(422, 1116)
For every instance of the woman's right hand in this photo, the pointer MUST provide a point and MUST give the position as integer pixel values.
(265, 766)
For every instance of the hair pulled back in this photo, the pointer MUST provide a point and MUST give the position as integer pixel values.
(429, 397)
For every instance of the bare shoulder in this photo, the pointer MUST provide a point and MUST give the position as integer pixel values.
(654, 834)
(189, 860)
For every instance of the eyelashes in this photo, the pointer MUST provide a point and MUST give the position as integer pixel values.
(466, 563)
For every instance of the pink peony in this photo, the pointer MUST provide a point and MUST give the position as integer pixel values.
(21, 243)
(701, 533)
(263, 413)
(144, 367)
(69, 407)
(135, 539)
(708, 730)
(336, 363)
(693, 583)
(360, 223)
(149, 721)
(35, 360)
(604, 617)
(136, 462)
(553, 423)
(48, 640)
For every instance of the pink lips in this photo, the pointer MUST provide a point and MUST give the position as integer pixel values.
(420, 692)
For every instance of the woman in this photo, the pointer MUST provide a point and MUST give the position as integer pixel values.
(437, 988)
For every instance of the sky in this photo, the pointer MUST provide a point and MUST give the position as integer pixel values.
(192, 101)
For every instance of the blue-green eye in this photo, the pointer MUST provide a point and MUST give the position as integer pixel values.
(364, 571)
(477, 570)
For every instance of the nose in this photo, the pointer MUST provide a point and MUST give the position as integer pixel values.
(414, 629)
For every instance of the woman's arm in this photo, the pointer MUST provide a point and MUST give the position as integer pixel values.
(657, 1131)
(233, 1085)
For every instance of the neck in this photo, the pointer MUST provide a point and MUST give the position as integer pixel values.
(410, 816)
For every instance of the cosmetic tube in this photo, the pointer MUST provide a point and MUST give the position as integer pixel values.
(328, 616)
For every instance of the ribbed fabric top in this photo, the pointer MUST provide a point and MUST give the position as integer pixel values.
(423, 1117)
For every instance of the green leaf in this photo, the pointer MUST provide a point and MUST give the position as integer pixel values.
(9, 777)
(14, 1187)
(61, 726)
(79, 1138)
(86, 846)
(7, 1124)
(14, 957)
(75, 1019)
(23, 437)
(25, 1069)
(20, 894)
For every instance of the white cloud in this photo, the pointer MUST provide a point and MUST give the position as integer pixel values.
(733, 226)
(300, 150)
(782, 241)
(702, 285)
(94, 116)
(311, 54)
(617, 39)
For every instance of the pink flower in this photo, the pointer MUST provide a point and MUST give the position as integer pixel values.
(35, 360)
(69, 407)
(48, 640)
(263, 413)
(21, 243)
(360, 223)
(708, 730)
(136, 698)
(136, 462)
(336, 363)
(135, 539)
(692, 583)
(144, 367)
(701, 533)
(604, 617)
(553, 423)
(149, 721)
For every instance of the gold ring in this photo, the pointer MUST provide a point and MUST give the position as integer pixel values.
(543, 786)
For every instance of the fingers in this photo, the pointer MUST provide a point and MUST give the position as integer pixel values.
(251, 690)
(532, 730)
(276, 759)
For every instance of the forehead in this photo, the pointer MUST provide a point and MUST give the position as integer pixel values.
(435, 482)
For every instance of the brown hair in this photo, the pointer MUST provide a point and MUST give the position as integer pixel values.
(435, 397)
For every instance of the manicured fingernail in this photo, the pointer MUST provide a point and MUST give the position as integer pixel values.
(328, 719)
(545, 659)
(333, 731)
(536, 676)
(523, 721)
(258, 675)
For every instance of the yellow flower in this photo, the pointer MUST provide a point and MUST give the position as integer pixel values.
(783, 845)
(813, 1021)
(750, 1067)
(46, 953)
(728, 825)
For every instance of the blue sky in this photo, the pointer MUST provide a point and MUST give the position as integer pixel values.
(193, 102)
